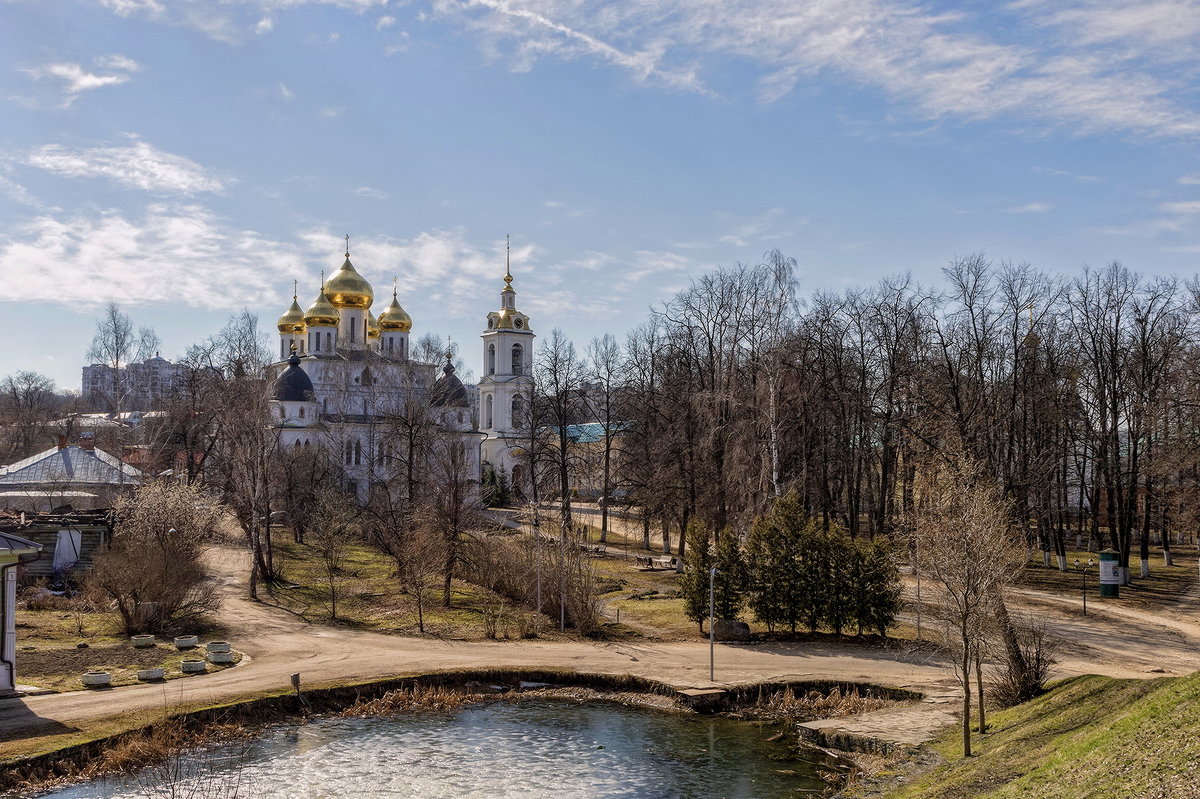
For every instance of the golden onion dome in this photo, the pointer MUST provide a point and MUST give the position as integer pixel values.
(292, 320)
(395, 318)
(322, 312)
(372, 325)
(348, 289)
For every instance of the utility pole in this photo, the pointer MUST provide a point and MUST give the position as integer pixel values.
(712, 636)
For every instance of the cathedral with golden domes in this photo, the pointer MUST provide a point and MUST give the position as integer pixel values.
(345, 379)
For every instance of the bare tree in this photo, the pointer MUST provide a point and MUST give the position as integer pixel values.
(28, 402)
(333, 528)
(152, 571)
(604, 369)
(966, 543)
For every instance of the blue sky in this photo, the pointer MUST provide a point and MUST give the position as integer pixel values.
(189, 159)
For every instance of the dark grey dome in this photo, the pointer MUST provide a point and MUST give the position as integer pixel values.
(293, 384)
(448, 391)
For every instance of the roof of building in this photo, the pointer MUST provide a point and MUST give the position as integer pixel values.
(448, 391)
(15, 545)
(293, 383)
(70, 466)
(592, 432)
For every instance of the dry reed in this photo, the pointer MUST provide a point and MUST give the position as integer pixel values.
(419, 697)
(787, 706)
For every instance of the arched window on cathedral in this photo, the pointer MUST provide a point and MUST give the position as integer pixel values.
(353, 331)
(487, 411)
(283, 350)
(328, 344)
(517, 361)
(282, 414)
(349, 453)
(358, 453)
(301, 411)
(491, 361)
(297, 445)
(366, 376)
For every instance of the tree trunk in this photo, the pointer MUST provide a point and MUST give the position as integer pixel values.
(979, 689)
(966, 686)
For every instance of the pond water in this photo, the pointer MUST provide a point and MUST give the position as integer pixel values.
(531, 748)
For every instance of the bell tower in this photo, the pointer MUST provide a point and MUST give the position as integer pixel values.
(505, 386)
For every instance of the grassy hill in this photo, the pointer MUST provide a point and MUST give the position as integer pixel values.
(1088, 737)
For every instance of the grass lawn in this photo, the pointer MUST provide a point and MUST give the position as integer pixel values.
(370, 598)
(49, 655)
(1163, 586)
(1090, 736)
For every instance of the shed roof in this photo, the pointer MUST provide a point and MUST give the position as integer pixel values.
(70, 466)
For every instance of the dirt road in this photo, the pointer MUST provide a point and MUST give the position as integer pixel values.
(279, 644)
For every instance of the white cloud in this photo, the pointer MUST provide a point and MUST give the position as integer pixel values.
(1062, 173)
(264, 25)
(129, 8)
(1189, 180)
(16, 192)
(170, 254)
(934, 62)
(285, 92)
(118, 61)
(385, 22)
(76, 79)
(370, 193)
(1184, 208)
(1030, 208)
(137, 166)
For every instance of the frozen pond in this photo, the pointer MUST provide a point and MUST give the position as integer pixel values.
(530, 748)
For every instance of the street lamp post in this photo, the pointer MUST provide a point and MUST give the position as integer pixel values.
(712, 637)
(1083, 579)
(912, 559)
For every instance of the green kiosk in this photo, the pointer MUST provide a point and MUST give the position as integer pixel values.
(1110, 574)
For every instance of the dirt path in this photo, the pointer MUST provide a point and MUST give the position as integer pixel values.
(279, 643)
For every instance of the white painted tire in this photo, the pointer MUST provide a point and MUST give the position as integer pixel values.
(97, 679)
(220, 657)
(149, 675)
(142, 641)
(193, 666)
(186, 641)
(218, 646)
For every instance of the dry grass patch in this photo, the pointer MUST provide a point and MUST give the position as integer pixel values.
(371, 598)
(59, 668)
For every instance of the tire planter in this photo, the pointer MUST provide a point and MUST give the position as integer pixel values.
(218, 646)
(220, 657)
(97, 679)
(142, 641)
(193, 666)
(186, 642)
(151, 675)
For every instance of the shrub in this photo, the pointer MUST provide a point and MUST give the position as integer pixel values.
(152, 572)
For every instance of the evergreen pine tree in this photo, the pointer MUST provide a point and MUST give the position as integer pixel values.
(503, 488)
(729, 587)
(882, 584)
(839, 600)
(693, 587)
(773, 551)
